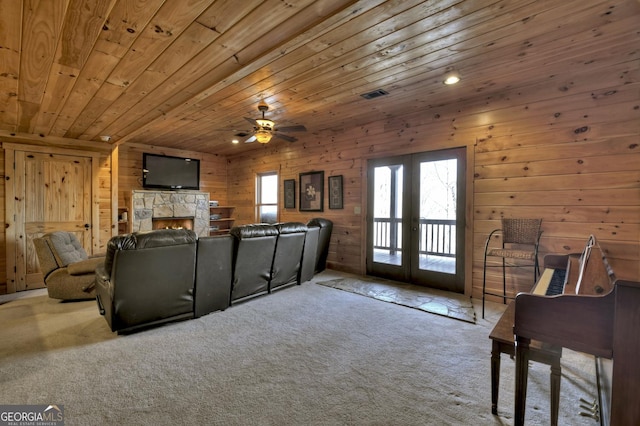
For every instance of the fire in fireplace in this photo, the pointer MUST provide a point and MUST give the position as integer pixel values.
(172, 222)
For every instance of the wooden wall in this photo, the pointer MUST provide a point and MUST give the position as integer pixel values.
(566, 151)
(316, 153)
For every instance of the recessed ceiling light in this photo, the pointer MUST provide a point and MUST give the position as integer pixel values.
(235, 141)
(451, 78)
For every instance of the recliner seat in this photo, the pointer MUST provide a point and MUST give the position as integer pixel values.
(253, 257)
(67, 270)
(288, 254)
(147, 278)
(213, 274)
(309, 254)
(324, 239)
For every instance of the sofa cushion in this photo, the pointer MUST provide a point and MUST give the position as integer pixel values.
(291, 227)
(149, 239)
(46, 259)
(254, 230)
(164, 237)
(66, 248)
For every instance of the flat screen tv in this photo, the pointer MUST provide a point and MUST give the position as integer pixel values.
(166, 172)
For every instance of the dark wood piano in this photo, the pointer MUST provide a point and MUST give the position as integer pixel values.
(578, 304)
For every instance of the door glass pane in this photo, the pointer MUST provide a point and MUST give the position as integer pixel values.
(437, 233)
(387, 215)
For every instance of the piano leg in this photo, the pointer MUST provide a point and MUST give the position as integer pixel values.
(555, 391)
(495, 375)
(522, 374)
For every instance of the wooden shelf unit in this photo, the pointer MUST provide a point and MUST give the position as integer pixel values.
(224, 223)
(123, 220)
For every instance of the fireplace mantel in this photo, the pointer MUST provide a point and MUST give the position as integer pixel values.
(149, 204)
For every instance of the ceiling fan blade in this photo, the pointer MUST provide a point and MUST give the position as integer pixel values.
(299, 128)
(251, 139)
(252, 121)
(285, 137)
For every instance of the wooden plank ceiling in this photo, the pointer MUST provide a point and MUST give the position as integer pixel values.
(184, 74)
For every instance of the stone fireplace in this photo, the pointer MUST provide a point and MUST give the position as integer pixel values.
(170, 209)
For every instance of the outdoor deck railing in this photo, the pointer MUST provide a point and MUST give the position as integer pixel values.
(437, 236)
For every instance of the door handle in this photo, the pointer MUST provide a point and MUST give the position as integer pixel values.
(87, 226)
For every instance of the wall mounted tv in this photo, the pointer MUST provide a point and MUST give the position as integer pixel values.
(166, 172)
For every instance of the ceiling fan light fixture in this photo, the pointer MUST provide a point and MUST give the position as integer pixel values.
(263, 136)
(265, 124)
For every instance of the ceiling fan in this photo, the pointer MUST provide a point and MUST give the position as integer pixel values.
(264, 129)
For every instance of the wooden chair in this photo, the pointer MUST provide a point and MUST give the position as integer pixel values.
(520, 240)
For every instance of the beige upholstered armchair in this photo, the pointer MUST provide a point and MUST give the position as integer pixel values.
(67, 270)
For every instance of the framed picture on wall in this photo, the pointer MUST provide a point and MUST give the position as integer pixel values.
(312, 191)
(335, 192)
(290, 194)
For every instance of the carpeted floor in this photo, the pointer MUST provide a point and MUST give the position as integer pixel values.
(448, 304)
(304, 355)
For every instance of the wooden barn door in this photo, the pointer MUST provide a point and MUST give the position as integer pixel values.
(51, 192)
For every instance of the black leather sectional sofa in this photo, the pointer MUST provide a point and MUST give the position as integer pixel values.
(166, 275)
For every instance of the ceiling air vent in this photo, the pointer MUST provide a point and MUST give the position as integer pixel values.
(374, 94)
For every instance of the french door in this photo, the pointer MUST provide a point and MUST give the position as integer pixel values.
(416, 218)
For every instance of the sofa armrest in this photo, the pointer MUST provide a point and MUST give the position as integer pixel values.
(87, 266)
